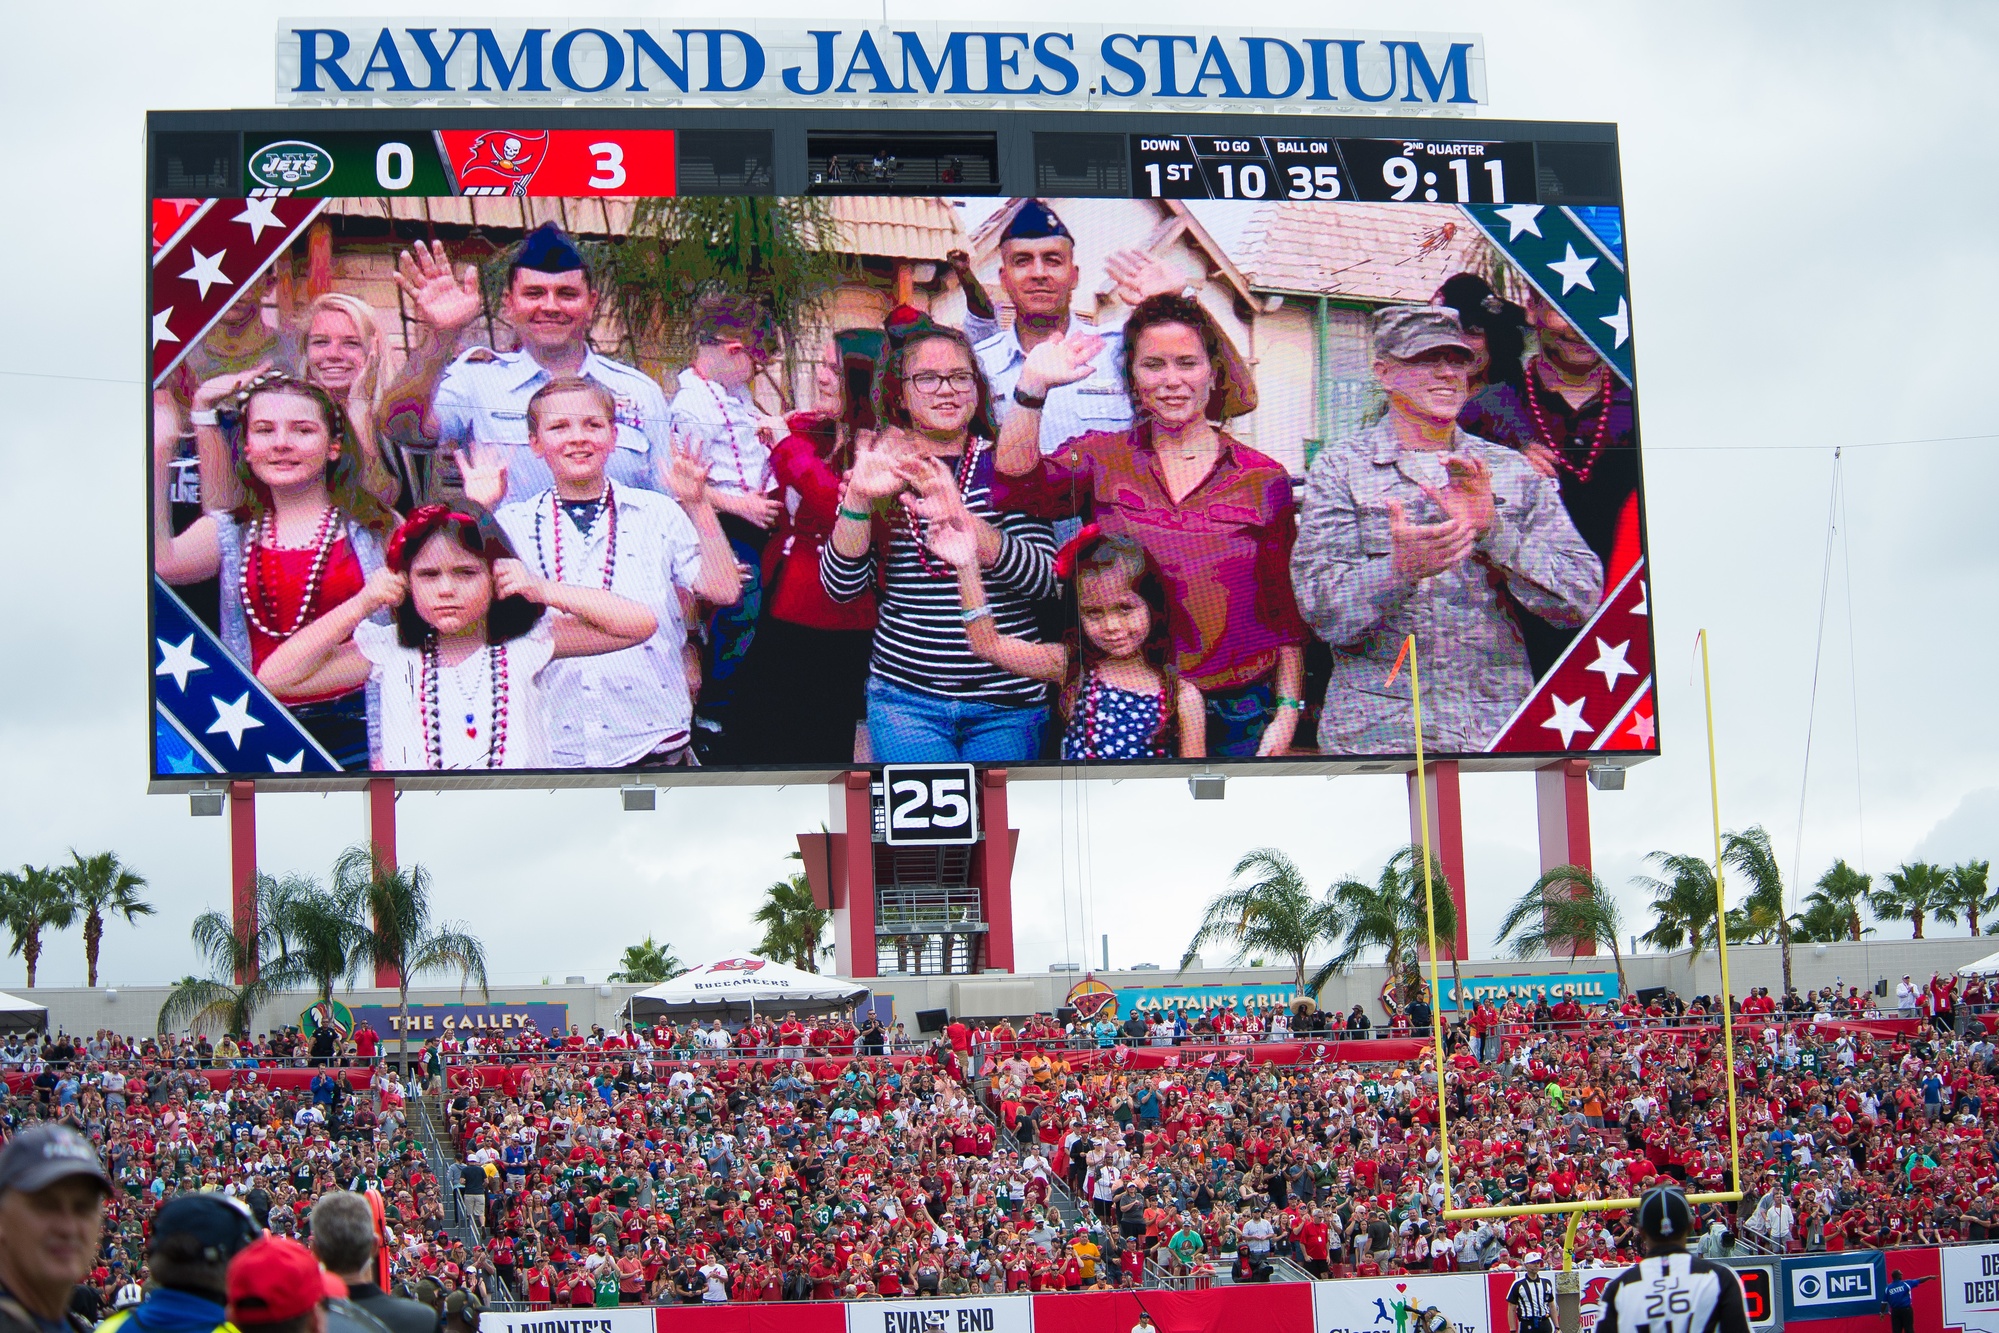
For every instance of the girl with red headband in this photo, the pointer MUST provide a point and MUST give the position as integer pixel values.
(1121, 695)
(459, 672)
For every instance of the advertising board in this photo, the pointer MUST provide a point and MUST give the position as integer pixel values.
(1586, 987)
(885, 471)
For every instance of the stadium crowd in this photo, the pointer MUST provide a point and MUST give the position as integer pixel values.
(819, 1160)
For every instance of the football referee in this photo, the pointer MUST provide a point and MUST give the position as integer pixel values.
(1669, 1290)
(1530, 1301)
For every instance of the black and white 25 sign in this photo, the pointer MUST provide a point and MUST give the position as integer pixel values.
(930, 804)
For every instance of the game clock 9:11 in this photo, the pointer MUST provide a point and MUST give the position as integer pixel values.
(1208, 166)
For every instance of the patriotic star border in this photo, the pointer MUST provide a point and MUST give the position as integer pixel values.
(1571, 266)
(220, 251)
(1598, 696)
(210, 714)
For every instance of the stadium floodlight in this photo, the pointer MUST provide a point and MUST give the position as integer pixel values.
(204, 803)
(1208, 786)
(640, 797)
(1606, 777)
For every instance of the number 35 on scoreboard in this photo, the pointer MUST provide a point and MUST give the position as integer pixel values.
(547, 163)
(930, 804)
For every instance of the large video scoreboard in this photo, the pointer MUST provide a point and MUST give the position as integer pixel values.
(352, 314)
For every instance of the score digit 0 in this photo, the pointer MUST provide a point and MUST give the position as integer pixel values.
(395, 166)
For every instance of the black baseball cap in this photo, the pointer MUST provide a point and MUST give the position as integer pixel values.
(219, 1224)
(1665, 1214)
(38, 1157)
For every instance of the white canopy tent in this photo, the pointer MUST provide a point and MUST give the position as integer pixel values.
(743, 986)
(1984, 967)
(18, 1015)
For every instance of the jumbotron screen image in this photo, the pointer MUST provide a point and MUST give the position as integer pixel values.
(480, 450)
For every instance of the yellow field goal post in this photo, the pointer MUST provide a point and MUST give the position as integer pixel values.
(1575, 1208)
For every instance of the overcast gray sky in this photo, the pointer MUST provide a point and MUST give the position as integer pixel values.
(1811, 193)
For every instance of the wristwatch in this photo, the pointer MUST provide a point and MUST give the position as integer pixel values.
(1028, 400)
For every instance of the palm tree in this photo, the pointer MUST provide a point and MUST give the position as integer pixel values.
(648, 962)
(1968, 893)
(391, 910)
(1683, 906)
(32, 900)
(319, 939)
(1762, 913)
(1276, 914)
(1832, 910)
(793, 924)
(1914, 891)
(221, 1000)
(1390, 914)
(98, 885)
(1566, 908)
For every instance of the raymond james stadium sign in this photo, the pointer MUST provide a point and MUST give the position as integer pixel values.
(800, 62)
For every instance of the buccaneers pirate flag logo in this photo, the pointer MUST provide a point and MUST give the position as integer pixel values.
(503, 162)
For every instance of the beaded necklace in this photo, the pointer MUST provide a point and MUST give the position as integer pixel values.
(1087, 710)
(919, 528)
(607, 512)
(263, 537)
(1579, 472)
(723, 403)
(432, 714)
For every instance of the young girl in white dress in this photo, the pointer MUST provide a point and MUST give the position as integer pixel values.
(460, 670)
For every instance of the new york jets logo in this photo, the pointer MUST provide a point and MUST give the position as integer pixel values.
(291, 164)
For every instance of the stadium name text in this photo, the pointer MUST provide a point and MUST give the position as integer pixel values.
(792, 63)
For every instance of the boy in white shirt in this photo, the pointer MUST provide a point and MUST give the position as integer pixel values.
(633, 707)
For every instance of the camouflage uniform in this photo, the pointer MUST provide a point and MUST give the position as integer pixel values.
(1474, 664)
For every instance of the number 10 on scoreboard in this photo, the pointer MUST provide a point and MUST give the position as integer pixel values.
(930, 804)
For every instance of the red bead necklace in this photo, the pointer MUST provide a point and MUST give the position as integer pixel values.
(253, 588)
(430, 708)
(1582, 471)
(919, 528)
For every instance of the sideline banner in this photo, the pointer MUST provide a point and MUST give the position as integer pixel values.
(964, 1314)
(623, 1319)
(1587, 987)
(1390, 1304)
(1970, 1288)
(1593, 1280)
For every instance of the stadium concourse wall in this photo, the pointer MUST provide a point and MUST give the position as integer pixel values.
(1812, 966)
(1832, 1293)
(135, 1009)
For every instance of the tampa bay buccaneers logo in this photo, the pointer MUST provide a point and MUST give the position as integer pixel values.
(737, 965)
(503, 161)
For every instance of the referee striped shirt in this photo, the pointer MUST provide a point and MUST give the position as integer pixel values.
(920, 641)
(1533, 1298)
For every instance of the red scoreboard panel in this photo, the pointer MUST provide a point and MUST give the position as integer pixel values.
(547, 163)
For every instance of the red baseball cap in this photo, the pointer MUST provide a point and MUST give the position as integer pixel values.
(275, 1279)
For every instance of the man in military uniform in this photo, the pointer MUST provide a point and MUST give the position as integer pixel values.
(482, 401)
(1038, 273)
(1414, 526)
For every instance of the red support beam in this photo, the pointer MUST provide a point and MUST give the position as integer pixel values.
(994, 858)
(243, 869)
(380, 817)
(1447, 837)
(1561, 799)
(851, 880)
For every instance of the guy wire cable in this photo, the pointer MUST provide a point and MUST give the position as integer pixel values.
(1812, 702)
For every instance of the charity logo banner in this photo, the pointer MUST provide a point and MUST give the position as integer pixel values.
(1390, 1305)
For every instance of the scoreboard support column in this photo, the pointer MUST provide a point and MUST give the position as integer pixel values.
(1561, 798)
(994, 860)
(851, 816)
(1447, 837)
(243, 872)
(379, 819)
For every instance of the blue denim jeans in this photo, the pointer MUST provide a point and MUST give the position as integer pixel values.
(909, 727)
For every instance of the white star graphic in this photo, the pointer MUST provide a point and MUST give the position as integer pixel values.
(207, 271)
(1567, 719)
(1620, 323)
(295, 764)
(258, 214)
(1643, 728)
(1521, 218)
(233, 719)
(161, 333)
(178, 660)
(1610, 661)
(1641, 609)
(1573, 268)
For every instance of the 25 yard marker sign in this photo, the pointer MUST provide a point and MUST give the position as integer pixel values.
(930, 805)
